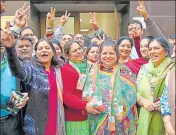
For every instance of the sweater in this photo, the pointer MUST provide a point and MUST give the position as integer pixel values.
(33, 74)
(72, 97)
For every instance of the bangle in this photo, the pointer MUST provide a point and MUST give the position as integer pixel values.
(139, 100)
(166, 122)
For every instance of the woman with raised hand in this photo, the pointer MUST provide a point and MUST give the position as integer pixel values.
(114, 92)
(75, 76)
(151, 97)
(44, 112)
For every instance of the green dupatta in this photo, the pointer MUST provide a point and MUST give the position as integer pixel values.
(155, 116)
(93, 92)
(151, 123)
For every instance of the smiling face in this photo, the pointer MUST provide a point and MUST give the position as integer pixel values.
(44, 53)
(80, 39)
(144, 48)
(58, 50)
(24, 49)
(93, 54)
(76, 53)
(157, 53)
(125, 49)
(108, 56)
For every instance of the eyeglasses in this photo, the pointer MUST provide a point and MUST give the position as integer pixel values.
(27, 35)
(77, 38)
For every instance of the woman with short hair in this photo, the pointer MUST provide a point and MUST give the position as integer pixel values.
(75, 76)
(114, 93)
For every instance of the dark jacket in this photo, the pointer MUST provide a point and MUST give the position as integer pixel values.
(32, 73)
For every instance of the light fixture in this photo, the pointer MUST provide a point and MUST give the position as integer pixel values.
(81, 20)
(84, 30)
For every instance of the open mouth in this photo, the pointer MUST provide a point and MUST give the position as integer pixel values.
(58, 53)
(25, 53)
(44, 56)
(153, 57)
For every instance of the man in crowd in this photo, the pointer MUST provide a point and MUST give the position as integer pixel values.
(10, 124)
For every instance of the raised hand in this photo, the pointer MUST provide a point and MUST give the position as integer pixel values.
(142, 10)
(21, 17)
(93, 20)
(64, 18)
(101, 40)
(7, 25)
(7, 38)
(50, 17)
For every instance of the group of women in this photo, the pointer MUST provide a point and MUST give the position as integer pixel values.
(96, 91)
(96, 94)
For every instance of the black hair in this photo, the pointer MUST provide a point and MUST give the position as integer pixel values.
(172, 37)
(23, 38)
(125, 38)
(26, 27)
(67, 46)
(135, 21)
(55, 41)
(148, 37)
(71, 35)
(163, 43)
(54, 60)
(90, 46)
(110, 43)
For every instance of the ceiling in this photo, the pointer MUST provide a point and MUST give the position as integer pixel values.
(83, 6)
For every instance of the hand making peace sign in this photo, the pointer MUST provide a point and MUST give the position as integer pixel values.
(21, 17)
(64, 18)
(101, 40)
(142, 10)
(93, 20)
(7, 38)
(50, 17)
